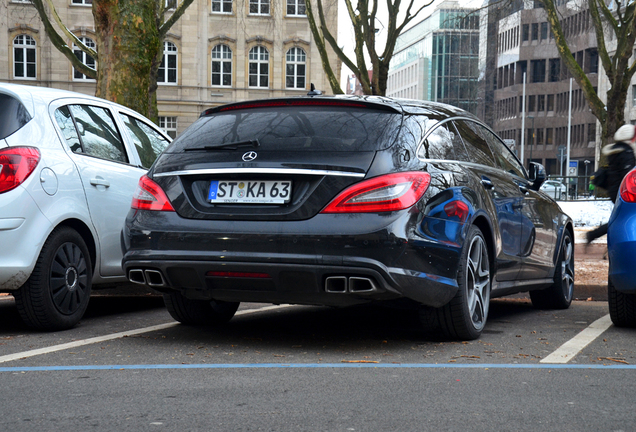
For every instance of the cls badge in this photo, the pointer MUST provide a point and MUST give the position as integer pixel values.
(249, 156)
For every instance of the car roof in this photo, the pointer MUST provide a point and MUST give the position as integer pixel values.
(404, 106)
(28, 94)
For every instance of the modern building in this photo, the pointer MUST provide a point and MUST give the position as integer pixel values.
(220, 51)
(437, 59)
(545, 120)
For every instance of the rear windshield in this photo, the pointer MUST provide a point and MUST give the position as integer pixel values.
(13, 115)
(306, 128)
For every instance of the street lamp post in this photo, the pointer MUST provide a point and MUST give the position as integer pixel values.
(587, 180)
(532, 142)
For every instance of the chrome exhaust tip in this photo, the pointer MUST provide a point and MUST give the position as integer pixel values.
(137, 276)
(336, 284)
(154, 278)
(361, 285)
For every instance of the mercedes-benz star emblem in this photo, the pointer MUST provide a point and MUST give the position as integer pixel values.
(249, 156)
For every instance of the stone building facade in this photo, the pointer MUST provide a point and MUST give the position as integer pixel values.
(220, 51)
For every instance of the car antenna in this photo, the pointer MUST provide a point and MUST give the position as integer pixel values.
(313, 91)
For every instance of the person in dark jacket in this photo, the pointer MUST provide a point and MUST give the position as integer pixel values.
(620, 160)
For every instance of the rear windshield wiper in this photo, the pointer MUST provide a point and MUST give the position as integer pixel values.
(227, 146)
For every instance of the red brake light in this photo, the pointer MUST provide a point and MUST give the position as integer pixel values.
(389, 192)
(150, 196)
(16, 165)
(628, 187)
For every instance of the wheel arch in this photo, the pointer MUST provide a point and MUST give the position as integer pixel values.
(484, 225)
(87, 235)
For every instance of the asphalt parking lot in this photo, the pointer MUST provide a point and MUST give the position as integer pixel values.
(129, 365)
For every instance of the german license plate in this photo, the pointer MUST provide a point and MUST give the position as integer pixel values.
(250, 191)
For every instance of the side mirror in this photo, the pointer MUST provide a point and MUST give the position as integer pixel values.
(536, 175)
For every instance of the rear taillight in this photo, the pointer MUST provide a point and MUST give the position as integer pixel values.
(389, 192)
(628, 187)
(16, 165)
(150, 196)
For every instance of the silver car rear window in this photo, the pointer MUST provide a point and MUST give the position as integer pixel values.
(13, 115)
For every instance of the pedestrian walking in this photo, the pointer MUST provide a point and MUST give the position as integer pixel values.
(620, 160)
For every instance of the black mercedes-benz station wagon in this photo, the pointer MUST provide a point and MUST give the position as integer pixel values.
(344, 200)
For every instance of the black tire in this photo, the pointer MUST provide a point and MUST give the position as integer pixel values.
(56, 294)
(559, 295)
(464, 317)
(622, 307)
(199, 312)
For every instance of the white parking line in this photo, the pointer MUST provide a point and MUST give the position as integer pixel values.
(82, 342)
(571, 348)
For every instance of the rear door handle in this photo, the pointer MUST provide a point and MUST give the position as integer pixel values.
(487, 183)
(99, 181)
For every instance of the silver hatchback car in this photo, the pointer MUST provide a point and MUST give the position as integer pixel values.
(69, 165)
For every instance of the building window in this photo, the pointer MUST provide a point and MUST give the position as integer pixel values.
(82, 2)
(525, 31)
(535, 31)
(544, 31)
(259, 67)
(222, 6)
(259, 7)
(171, 4)
(222, 66)
(548, 136)
(538, 70)
(296, 7)
(531, 101)
(555, 70)
(84, 58)
(541, 103)
(634, 95)
(295, 69)
(24, 64)
(169, 126)
(168, 68)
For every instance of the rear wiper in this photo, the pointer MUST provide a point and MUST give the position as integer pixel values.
(227, 146)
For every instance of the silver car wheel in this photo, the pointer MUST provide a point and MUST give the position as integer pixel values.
(567, 269)
(478, 282)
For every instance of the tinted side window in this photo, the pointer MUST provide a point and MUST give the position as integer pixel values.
(476, 146)
(13, 115)
(149, 142)
(506, 160)
(98, 133)
(66, 124)
(442, 143)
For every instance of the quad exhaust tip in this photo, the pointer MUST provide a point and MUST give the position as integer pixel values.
(152, 278)
(354, 285)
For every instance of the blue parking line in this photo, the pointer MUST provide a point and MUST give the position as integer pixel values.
(311, 366)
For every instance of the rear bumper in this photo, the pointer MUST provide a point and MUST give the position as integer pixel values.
(386, 262)
(310, 282)
(621, 246)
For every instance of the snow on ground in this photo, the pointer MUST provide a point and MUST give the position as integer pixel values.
(588, 214)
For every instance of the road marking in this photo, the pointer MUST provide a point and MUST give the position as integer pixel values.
(98, 339)
(485, 367)
(571, 348)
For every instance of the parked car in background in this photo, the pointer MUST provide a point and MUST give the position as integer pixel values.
(345, 200)
(69, 164)
(555, 189)
(621, 249)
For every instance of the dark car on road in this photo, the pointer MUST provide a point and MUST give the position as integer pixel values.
(344, 200)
